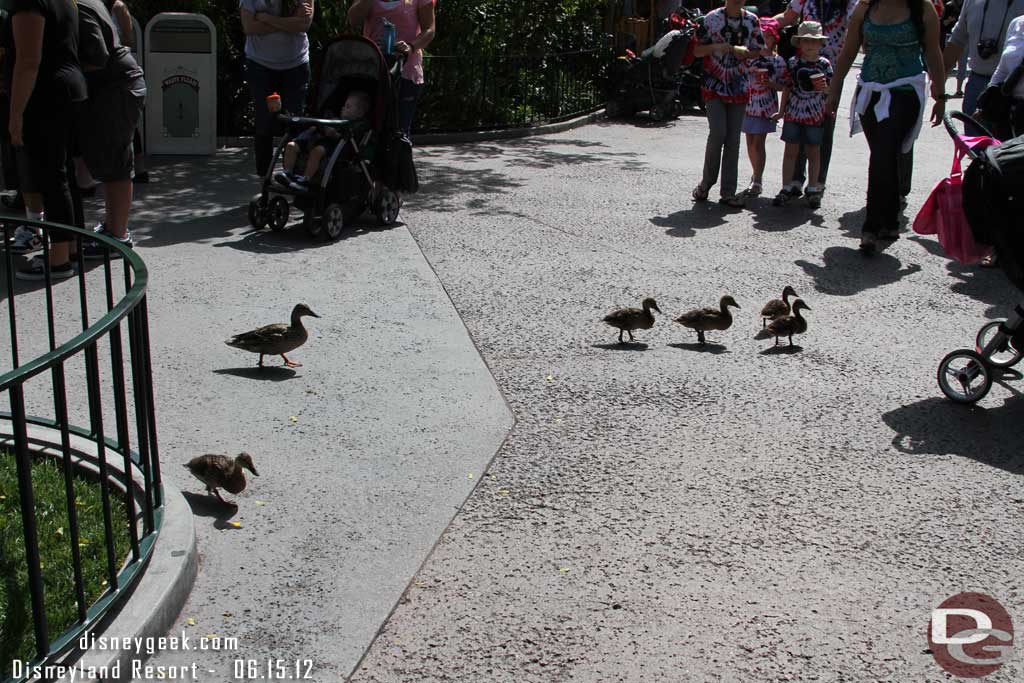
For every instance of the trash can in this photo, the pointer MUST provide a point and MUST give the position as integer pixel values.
(181, 80)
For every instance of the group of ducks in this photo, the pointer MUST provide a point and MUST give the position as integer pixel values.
(219, 471)
(778, 318)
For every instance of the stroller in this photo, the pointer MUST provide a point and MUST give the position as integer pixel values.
(993, 201)
(662, 80)
(371, 162)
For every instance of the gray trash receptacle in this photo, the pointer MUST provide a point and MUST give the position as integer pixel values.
(181, 80)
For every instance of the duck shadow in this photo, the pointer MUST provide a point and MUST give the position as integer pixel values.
(782, 350)
(707, 347)
(847, 271)
(207, 505)
(621, 346)
(268, 373)
(937, 426)
(700, 216)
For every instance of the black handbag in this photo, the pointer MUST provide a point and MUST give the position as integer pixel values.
(399, 171)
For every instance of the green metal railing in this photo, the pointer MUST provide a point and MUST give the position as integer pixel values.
(139, 477)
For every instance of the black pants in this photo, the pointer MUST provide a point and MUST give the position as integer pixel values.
(291, 85)
(886, 178)
(44, 162)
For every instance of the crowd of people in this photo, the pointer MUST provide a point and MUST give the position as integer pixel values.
(903, 59)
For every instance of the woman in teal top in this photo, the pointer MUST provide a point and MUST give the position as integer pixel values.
(899, 37)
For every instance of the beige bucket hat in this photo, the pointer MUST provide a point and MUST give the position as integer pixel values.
(809, 30)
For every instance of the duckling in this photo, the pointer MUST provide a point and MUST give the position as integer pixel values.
(629, 319)
(277, 339)
(704, 319)
(222, 472)
(787, 325)
(777, 307)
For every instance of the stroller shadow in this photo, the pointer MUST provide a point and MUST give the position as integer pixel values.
(685, 223)
(937, 426)
(847, 272)
(986, 285)
(295, 238)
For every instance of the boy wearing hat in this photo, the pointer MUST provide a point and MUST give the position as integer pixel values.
(805, 82)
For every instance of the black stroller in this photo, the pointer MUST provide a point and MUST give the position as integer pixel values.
(660, 81)
(993, 200)
(370, 164)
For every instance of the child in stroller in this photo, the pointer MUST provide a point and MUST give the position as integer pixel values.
(318, 142)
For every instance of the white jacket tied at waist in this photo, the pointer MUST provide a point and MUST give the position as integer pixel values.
(862, 96)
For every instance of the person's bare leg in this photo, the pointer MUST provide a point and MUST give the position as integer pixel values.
(789, 163)
(117, 197)
(291, 155)
(313, 163)
(813, 153)
(757, 154)
(60, 253)
(82, 175)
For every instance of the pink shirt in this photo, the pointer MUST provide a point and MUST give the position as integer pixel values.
(401, 13)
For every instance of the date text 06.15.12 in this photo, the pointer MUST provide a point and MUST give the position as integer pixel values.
(273, 669)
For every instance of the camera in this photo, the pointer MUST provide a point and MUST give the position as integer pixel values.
(988, 48)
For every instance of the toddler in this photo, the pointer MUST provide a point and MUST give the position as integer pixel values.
(805, 82)
(319, 142)
(763, 74)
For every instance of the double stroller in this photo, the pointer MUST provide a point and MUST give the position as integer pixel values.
(993, 202)
(370, 165)
(662, 80)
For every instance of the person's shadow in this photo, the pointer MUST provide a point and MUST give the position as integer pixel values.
(847, 271)
(700, 216)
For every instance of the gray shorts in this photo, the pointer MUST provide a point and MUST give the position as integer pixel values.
(105, 135)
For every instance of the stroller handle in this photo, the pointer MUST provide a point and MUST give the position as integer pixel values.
(309, 121)
(949, 116)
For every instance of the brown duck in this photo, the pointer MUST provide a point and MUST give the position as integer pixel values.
(787, 325)
(777, 307)
(277, 339)
(222, 472)
(705, 319)
(629, 319)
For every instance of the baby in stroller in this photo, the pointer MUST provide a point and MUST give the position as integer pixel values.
(318, 142)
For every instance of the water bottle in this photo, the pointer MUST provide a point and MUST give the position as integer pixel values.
(388, 41)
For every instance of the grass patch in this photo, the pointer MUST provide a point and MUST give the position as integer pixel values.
(17, 638)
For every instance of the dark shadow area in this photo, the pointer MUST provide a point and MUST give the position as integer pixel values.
(621, 346)
(847, 271)
(851, 222)
(986, 285)
(709, 347)
(937, 426)
(770, 218)
(268, 373)
(207, 505)
(700, 216)
(783, 349)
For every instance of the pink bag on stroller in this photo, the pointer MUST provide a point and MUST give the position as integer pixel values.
(943, 212)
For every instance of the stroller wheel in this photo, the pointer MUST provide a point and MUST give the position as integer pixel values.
(659, 113)
(964, 377)
(387, 206)
(613, 109)
(258, 213)
(1005, 357)
(333, 222)
(277, 214)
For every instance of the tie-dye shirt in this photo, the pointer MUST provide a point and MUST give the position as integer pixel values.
(724, 77)
(763, 101)
(805, 105)
(834, 16)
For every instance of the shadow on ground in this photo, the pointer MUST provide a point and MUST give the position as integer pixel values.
(937, 426)
(846, 271)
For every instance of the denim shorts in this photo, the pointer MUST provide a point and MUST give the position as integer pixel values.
(802, 134)
(757, 125)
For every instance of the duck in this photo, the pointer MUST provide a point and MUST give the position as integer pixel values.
(787, 325)
(222, 472)
(629, 319)
(777, 307)
(277, 339)
(705, 319)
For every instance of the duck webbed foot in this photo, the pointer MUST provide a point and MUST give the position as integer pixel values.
(290, 363)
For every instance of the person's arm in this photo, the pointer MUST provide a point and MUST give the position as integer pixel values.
(358, 12)
(782, 104)
(788, 18)
(125, 28)
(92, 47)
(27, 28)
(933, 60)
(1013, 50)
(252, 27)
(849, 53)
(959, 39)
(425, 14)
(299, 22)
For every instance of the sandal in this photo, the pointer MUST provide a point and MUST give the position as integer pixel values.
(754, 190)
(700, 193)
(989, 261)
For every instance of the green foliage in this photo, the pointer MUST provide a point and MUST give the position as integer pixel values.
(17, 639)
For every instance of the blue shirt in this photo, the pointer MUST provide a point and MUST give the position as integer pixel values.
(277, 50)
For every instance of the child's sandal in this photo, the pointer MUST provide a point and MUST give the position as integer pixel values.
(700, 193)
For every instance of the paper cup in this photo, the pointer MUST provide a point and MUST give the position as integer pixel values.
(761, 75)
(818, 81)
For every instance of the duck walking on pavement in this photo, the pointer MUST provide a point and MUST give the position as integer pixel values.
(629, 319)
(222, 472)
(776, 308)
(787, 325)
(277, 339)
(706, 319)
